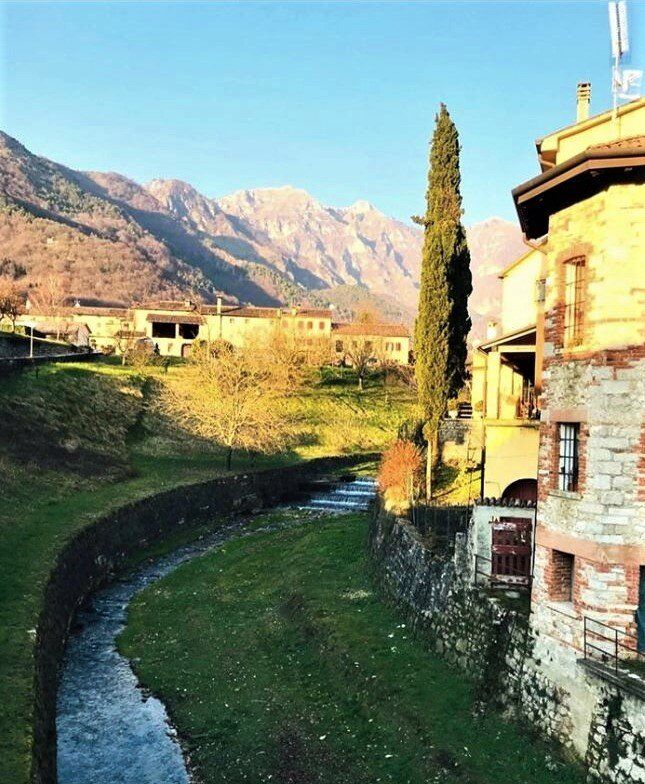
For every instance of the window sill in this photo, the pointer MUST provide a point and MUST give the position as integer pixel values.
(571, 495)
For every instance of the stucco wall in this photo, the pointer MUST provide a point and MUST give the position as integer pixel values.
(511, 454)
(519, 307)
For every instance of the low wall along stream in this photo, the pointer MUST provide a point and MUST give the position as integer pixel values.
(97, 553)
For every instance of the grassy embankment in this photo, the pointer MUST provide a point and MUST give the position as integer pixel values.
(78, 440)
(278, 663)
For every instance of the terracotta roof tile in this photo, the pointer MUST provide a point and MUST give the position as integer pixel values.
(82, 311)
(314, 312)
(168, 304)
(168, 318)
(372, 330)
(251, 312)
(631, 143)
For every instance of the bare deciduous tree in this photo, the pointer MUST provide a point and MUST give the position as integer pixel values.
(11, 302)
(362, 357)
(50, 296)
(237, 397)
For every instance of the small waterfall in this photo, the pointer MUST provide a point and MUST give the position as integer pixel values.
(353, 496)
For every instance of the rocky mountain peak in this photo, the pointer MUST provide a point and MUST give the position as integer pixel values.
(361, 207)
(113, 237)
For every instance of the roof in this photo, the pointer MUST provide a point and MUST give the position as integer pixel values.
(580, 177)
(92, 302)
(251, 312)
(82, 311)
(212, 310)
(516, 263)
(508, 337)
(168, 304)
(633, 142)
(548, 145)
(372, 330)
(315, 312)
(170, 318)
(51, 327)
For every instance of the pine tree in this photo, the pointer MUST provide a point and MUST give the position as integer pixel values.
(443, 323)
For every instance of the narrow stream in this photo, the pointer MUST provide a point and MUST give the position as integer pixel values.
(109, 730)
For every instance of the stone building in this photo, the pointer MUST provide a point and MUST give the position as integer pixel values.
(586, 214)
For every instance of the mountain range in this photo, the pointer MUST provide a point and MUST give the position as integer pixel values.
(104, 236)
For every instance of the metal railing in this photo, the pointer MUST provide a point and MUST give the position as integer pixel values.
(516, 578)
(609, 644)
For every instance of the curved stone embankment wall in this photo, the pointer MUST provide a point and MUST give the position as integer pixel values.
(98, 551)
(564, 699)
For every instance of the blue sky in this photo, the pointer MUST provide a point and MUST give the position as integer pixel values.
(337, 98)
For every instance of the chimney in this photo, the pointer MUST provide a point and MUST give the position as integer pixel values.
(491, 330)
(583, 101)
(219, 306)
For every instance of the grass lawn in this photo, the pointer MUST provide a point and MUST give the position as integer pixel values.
(278, 663)
(79, 439)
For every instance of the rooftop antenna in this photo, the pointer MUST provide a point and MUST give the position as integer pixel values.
(619, 44)
(625, 83)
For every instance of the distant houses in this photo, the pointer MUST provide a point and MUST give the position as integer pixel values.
(172, 327)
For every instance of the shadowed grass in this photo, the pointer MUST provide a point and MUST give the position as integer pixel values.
(278, 663)
(77, 440)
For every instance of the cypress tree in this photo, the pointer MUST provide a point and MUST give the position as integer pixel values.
(442, 323)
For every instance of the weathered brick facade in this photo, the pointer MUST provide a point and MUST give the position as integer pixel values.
(597, 530)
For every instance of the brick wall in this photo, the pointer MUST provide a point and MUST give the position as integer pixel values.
(558, 575)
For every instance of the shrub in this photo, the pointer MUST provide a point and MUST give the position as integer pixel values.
(400, 475)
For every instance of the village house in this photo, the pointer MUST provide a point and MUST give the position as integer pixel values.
(590, 538)
(383, 342)
(506, 375)
(172, 327)
(561, 394)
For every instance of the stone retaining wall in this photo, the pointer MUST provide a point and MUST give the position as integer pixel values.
(600, 721)
(95, 553)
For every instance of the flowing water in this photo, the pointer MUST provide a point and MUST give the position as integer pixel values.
(109, 730)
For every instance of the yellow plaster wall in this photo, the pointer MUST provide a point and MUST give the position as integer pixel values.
(394, 349)
(609, 229)
(511, 454)
(519, 308)
(597, 130)
(478, 383)
(510, 392)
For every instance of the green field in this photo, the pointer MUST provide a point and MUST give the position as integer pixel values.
(79, 439)
(278, 663)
